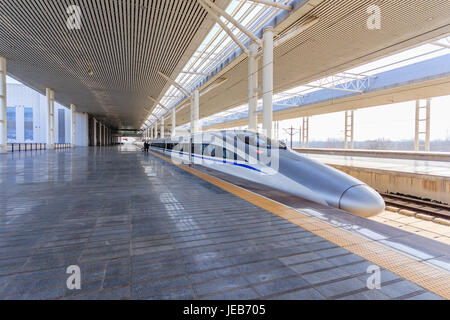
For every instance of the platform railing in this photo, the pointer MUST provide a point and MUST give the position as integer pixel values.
(23, 147)
(19, 147)
(63, 145)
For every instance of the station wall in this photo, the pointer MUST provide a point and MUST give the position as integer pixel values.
(27, 115)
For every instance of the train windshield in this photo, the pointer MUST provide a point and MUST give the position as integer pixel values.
(261, 141)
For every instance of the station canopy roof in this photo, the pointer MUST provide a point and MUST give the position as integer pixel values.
(110, 66)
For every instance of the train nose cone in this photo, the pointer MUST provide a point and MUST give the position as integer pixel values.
(362, 201)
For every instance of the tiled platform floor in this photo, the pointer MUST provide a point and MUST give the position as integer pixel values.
(140, 228)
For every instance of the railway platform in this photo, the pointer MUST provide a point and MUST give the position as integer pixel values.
(139, 227)
(426, 179)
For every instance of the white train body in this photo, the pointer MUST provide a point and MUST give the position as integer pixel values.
(255, 158)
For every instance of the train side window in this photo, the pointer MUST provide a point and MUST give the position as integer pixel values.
(205, 149)
(238, 158)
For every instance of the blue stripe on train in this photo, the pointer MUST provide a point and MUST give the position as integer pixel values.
(215, 160)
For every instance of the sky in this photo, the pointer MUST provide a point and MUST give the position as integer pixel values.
(393, 121)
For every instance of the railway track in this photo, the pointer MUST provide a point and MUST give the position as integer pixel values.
(434, 209)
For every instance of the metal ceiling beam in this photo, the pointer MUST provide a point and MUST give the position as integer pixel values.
(224, 26)
(158, 103)
(175, 84)
(273, 4)
(224, 14)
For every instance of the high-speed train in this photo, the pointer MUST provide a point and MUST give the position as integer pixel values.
(254, 157)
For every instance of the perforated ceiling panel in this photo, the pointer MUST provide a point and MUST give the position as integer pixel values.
(123, 42)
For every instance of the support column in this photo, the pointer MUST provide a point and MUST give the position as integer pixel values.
(87, 128)
(349, 129)
(156, 130)
(267, 81)
(162, 128)
(3, 106)
(73, 108)
(51, 118)
(253, 87)
(95, 133)
(425, 117)
(174, 123)
(104, 135)
(277, 130)
(195, 101)
(100, 136)
(305, 132)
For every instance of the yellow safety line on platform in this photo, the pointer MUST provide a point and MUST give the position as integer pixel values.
(425, 275)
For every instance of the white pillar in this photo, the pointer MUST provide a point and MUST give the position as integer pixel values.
(87, 128)
(95, 133)
(253, 86)
(100, 136)
(195, 101)
(3, 106)
(162, 128)
(156, 130)
(267, 81)
(174, 122)
(51, 118)
(73, 108)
